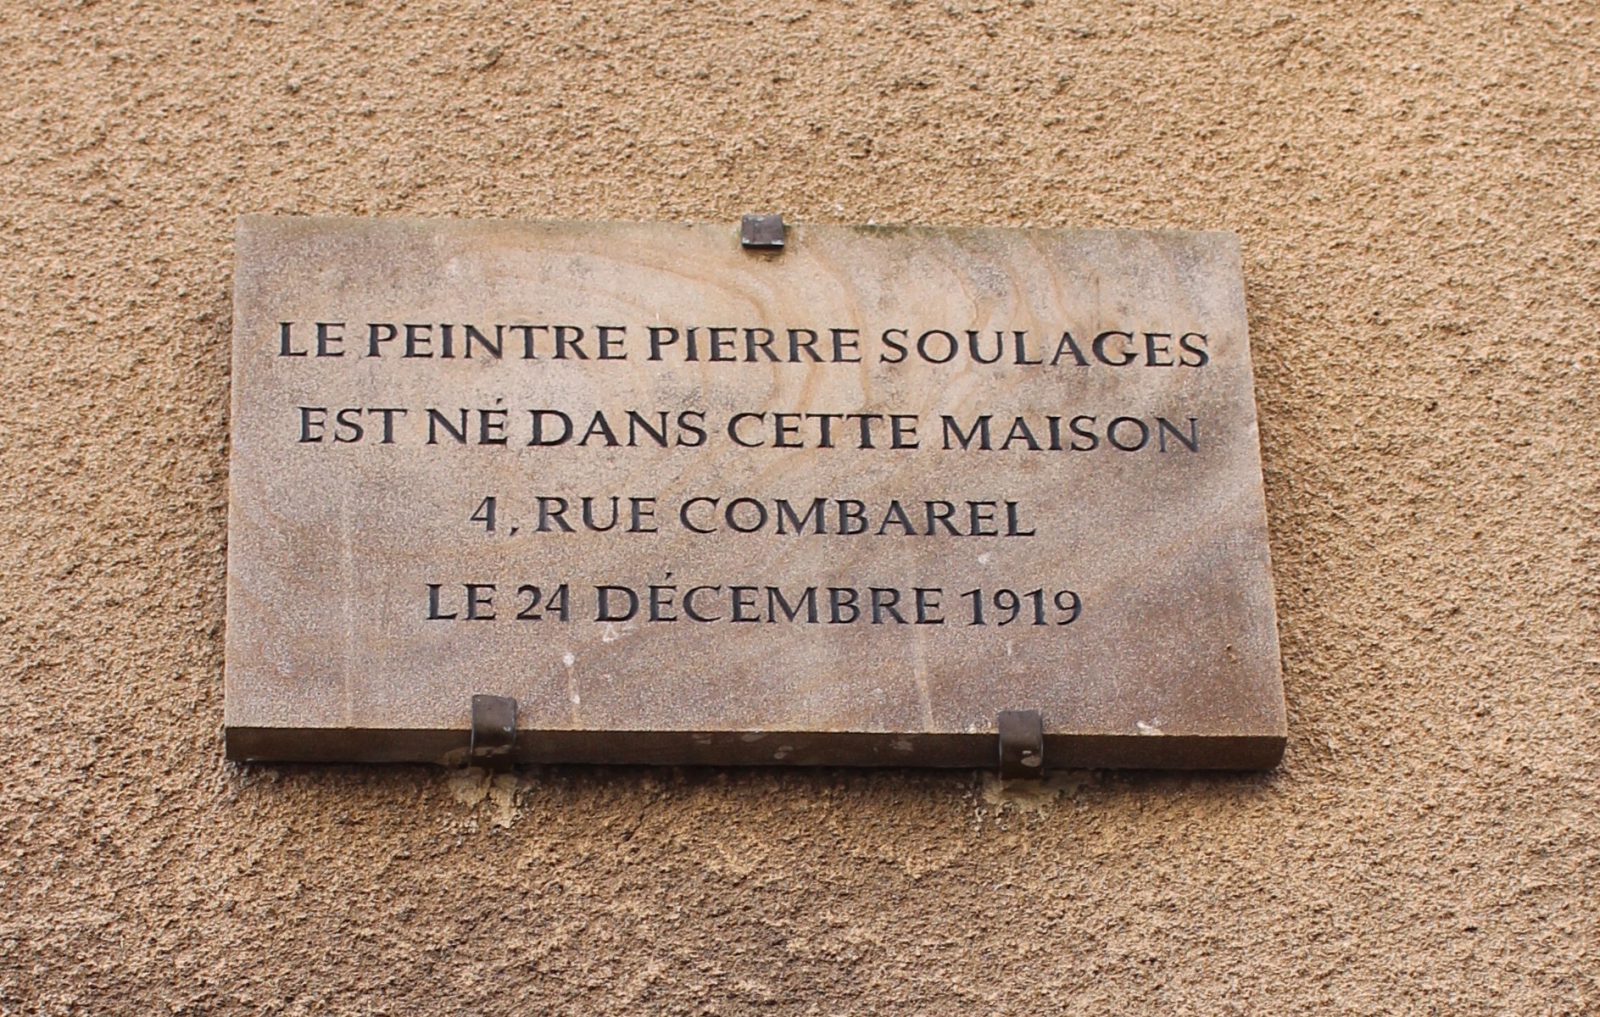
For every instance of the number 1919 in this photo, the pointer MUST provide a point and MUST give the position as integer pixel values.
(1035, 607)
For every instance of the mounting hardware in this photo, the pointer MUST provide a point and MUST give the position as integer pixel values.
(761, 232)
(1021, 744)
(494, 732)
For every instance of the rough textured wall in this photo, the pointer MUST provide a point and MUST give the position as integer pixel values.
(1416, 190)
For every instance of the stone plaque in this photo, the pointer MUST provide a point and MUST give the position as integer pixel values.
(845, 501)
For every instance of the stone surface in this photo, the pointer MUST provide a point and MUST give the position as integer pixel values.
(869, 492)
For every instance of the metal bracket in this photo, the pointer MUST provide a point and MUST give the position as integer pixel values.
(761, 233)
(1021, 744)
(494, 732)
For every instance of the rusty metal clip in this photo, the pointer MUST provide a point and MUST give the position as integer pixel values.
(1021, 744)
(761, 232)
(494, 732)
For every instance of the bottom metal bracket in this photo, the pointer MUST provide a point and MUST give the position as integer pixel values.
(1021, 744)
(494, 732)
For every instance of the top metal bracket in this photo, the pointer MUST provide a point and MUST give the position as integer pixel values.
(761, 232)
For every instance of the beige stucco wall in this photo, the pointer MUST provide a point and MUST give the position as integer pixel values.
(1415, 186)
